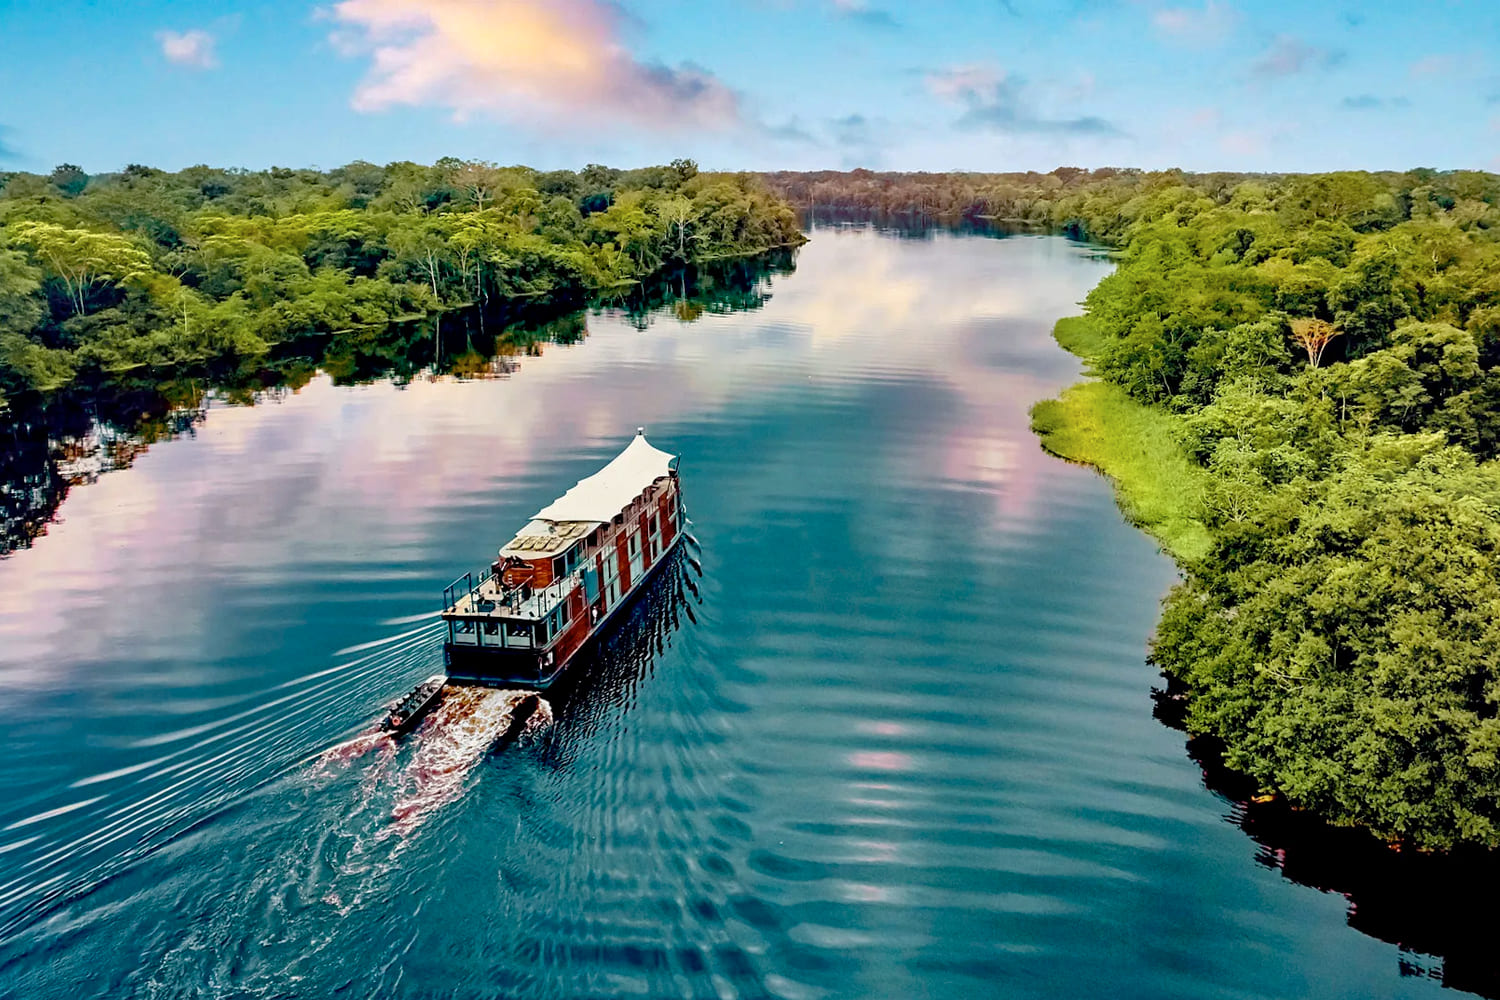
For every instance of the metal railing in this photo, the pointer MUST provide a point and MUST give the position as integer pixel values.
(464, 586)
(511, 598)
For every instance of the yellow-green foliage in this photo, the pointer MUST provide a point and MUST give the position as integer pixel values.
(1158, 487)
(1079, 335)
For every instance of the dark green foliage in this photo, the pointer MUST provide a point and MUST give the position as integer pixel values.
(1342, 634)
(1343, 640)
(147, 270)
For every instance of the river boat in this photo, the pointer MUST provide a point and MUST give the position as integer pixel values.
(407, 712)
(558, 582)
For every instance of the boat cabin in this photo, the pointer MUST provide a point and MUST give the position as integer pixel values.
(563, 574)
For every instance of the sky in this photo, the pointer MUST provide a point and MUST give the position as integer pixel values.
(1276, 85)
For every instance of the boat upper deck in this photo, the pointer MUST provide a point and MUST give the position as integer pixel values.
(540, 539)
(491, 600)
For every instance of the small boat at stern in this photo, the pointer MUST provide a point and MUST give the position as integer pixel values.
(407, 712)
(558, 582)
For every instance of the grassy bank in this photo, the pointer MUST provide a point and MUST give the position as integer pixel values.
(1095, 423)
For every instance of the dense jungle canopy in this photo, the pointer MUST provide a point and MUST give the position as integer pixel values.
(148, 271)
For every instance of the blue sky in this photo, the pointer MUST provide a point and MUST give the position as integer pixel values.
(754, 84)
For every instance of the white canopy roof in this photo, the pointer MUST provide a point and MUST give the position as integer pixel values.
(604, 494)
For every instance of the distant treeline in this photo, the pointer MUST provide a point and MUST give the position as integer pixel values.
(1102, 204)
(144, 270)
(1327, 350)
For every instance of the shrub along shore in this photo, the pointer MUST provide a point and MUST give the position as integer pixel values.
(1298, 393)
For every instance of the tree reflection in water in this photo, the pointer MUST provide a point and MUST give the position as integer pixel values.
(47, 449)
(1430, 906)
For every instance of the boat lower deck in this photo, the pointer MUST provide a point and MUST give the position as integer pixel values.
(493, 663)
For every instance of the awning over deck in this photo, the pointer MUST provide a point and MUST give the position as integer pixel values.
(604, 494)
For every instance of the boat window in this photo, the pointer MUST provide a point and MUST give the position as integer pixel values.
(518, 630)
(465, 626)
(541, 633)
(558, 569)
(491, 628)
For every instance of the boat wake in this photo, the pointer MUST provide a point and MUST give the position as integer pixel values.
(454, 737)
(464, 724)
(351, 749)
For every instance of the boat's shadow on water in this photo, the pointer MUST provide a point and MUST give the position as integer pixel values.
(603, 679)
(1427, 905)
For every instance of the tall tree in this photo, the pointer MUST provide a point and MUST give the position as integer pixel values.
(69, 178)
(81, 258)
(479, 181)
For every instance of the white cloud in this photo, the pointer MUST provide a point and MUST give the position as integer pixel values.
(193, 49)
(543, 63)
(995, 102)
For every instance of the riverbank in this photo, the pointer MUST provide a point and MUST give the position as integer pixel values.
(1158, 486)
(148, 271)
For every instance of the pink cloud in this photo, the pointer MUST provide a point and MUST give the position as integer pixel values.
(961, 81)
(1208, 25)
(528, 60)
(1438, 65)
(193, 49)
(1245, 143)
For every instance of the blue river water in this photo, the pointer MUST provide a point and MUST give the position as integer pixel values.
(897, 740)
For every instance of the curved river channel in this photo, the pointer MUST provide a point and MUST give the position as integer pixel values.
(897, 740)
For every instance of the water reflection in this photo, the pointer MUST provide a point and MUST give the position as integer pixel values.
(911, 225)
(1427, 905)
(87, 431)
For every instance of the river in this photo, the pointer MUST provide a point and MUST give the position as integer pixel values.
(897, 740)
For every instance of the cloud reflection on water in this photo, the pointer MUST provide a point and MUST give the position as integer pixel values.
(395, 460)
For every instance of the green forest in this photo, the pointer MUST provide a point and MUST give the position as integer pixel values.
(144, 273)
(1300, 394)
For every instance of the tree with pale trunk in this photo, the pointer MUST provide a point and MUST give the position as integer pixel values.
(81, 258)
(1313, 336)
(479, 181)
(677, 213)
